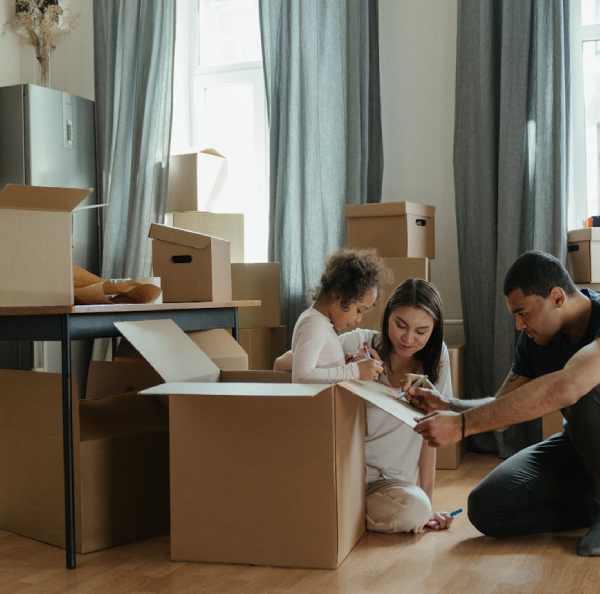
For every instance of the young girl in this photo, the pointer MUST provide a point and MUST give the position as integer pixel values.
(400, 465)
(348, 288)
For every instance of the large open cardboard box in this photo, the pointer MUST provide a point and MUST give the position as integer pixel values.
(120, 453)
(224, 225)
(36, 244)
(261, 473)
(192, 266)
(394, 229)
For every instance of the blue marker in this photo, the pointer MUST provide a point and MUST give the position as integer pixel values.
(456, 512)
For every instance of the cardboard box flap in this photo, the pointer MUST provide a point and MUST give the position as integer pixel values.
(169, 350)
(224, 350)
(19, 197)
(183, 237)
(236, 389)
(384, 398)
(587, 234)
(386, 209)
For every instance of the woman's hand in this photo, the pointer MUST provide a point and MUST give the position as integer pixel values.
(427, 399)
(369, 369)
(439, 521)
(413, 379)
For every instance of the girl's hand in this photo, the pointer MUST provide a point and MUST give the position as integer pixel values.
(371, 352)
(439, 521)
(369, 369)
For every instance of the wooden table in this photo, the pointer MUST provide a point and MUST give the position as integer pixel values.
(67, 323)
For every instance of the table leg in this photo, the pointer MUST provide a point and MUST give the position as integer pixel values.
(235, 331)
(67, 414)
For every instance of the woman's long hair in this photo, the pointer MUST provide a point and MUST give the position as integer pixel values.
(419, 293)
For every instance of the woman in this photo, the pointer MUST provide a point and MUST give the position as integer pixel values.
(400, 465)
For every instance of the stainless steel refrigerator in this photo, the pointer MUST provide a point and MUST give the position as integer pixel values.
(47, 138)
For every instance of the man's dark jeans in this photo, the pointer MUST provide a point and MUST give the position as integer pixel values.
(550, 486)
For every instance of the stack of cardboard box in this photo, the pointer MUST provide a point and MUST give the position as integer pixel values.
(193, 186)
(261, 334)
(403, 233)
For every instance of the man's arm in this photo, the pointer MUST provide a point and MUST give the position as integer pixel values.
(543, 395)
(532, 400)
(430, 400)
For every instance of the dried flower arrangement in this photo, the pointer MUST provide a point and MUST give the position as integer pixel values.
(41, 23)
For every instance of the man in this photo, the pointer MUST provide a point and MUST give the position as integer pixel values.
(553, 485)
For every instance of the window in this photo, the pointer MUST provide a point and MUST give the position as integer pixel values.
(219, 102)
(585, 102)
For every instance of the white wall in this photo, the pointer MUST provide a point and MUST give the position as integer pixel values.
(10, 67)
(417, 57)
(72, 63)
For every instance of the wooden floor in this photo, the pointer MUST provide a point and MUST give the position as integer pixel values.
(458, 561)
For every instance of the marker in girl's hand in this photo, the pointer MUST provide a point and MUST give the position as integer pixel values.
(456, 512)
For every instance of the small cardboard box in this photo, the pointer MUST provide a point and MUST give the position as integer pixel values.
(449, 457)
(195, 180)
(399, 270)
(394, 229)
(263, 345)
(36, 245)
(192, 266)
(121, 462)
(584, 255)
(224, 225)
(283, 474)
(258, 281)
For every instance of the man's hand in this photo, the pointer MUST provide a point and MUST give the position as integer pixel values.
(440, 428)
(427, 399)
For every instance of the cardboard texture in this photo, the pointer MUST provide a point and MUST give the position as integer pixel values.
(258, 281)
(121, 464)
(394, 229)
(222, 349)
(450, 457)
(195, 180)
(224, 225)
(583, 256)
(304, 498)
(263, 345)
(299, 504)
(192, 266)
(399, 270)
(36, 236)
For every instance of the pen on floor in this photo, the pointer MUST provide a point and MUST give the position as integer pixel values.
(456, 512)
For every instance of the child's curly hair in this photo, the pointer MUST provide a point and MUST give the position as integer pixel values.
(349, 274)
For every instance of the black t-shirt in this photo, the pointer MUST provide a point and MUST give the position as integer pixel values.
(532, 360)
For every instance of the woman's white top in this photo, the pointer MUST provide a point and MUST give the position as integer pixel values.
(317, 353)
(392, 449)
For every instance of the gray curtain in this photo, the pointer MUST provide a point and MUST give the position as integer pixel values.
(510, 168)
(134, 51)
(321, 64)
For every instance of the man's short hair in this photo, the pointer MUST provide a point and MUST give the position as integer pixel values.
(537, 273)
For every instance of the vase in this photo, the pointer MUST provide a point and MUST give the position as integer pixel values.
(44, 62)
